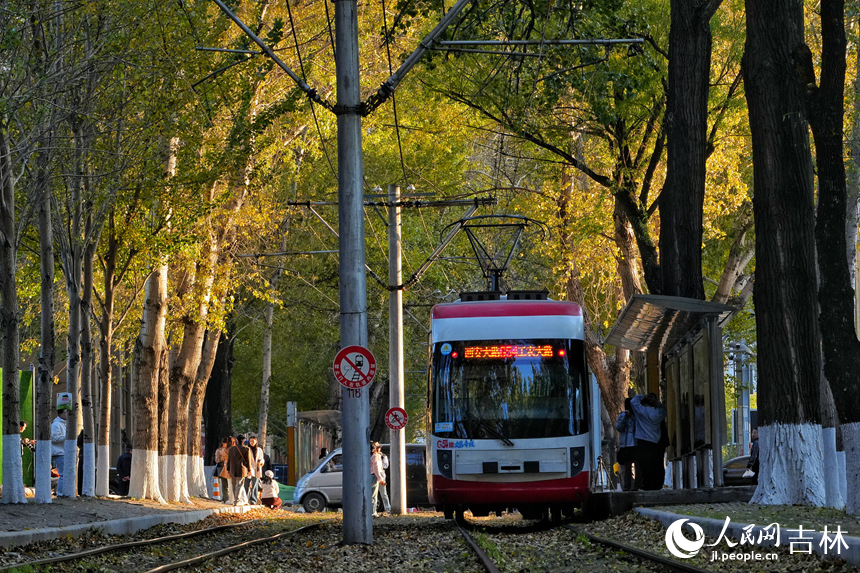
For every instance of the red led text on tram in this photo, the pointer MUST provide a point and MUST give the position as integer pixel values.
(508, 351)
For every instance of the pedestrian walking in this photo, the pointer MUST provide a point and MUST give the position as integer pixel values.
(377, 470)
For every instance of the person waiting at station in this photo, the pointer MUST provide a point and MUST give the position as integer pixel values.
(123, 471)
(752, 465)
(650, 413)
(626, 426)
(58, 443)
(252, 483)
(220, 471)
(270, 490)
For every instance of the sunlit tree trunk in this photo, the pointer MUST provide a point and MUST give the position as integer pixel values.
(791, 469)
(148, 353)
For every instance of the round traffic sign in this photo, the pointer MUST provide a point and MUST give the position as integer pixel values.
(354, 367)
(396, 418)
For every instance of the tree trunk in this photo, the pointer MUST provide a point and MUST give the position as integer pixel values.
(197, 475)
(87, 361)
(217, 405)
(72, 271)
(683, 197)
(44, 407)
(148, 353)
(791, 470)
(836, 295)
(13, 477)
(105, 365)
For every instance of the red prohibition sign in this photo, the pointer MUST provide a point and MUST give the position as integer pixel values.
(396, 418)
(354, 367)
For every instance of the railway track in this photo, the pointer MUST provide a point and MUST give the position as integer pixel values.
(495, 545)
(543, 546)
(167, 553)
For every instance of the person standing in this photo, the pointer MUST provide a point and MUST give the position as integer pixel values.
(220, 462)
(626, 426)
(239, 468)
(58, 442)
(377, 470)
(256, 459)
(123, 471)
(752, 465)
(650, 413)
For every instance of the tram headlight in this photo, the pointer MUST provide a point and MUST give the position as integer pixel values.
(577, 460)
(445, 462)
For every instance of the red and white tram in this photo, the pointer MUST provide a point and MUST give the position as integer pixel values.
(513, 411)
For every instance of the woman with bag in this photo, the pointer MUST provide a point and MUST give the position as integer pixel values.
(220, 472)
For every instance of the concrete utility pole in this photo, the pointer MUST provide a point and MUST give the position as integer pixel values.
(396, 391)
(357, 524)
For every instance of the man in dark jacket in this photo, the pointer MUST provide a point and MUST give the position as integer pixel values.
(123, 471)
(753, 463)
(239, 467)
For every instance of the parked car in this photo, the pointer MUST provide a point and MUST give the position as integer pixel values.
(323, 487)
(733, 471)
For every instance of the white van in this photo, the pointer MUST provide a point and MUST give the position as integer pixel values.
(323, 488)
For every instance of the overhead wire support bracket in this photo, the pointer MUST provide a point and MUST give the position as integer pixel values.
(388, 86)
(311, 92)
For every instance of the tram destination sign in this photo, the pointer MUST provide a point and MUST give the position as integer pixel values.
(354, 367)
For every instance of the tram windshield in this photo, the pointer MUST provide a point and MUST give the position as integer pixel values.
(509, 389)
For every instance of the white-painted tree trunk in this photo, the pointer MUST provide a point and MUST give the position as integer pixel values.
(851, 444)
(103, 471)
(791, 471)
(144, 476)
(43, 472)
(174, 479)
(832, 493)
(196, 477)
(70, 466)
(13, 482)
(843, 482)
(88, 488)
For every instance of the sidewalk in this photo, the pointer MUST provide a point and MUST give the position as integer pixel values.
(21, 524)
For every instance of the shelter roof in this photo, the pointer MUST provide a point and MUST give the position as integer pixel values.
(656, 323)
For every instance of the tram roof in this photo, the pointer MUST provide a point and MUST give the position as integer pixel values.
(656, 323)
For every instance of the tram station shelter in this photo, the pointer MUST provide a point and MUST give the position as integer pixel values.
(682, 342)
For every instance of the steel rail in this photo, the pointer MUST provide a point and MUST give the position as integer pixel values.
(482, 555)
(231, 549)
(641, 553)
(123, 546)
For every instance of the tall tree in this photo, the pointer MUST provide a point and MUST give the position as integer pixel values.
(683, 197)
(836, 297)
(786, 282)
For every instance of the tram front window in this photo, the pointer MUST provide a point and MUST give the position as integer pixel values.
(509, 389)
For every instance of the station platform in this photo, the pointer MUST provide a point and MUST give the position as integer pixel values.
(611, 503)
